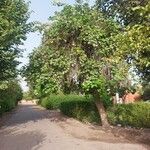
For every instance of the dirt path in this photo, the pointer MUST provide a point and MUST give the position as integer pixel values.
(31, 127)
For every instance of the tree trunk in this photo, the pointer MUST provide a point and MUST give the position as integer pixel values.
(102, 113)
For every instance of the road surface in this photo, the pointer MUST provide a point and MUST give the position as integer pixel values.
(31, 127)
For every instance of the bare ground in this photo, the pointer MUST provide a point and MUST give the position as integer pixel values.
(31, 127)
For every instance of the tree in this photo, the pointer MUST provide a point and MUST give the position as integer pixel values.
(133, 42)
(122, 10)
(13, 29)
(77, 49)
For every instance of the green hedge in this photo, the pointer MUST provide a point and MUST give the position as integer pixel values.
(146, 93)
(10, 96)
(76, 106)
(54, 101)
(135, 115)
(7, 105)
(82, 110)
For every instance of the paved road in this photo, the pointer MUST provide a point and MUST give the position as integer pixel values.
(33, 128)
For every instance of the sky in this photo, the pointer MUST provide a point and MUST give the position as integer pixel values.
(41, 11)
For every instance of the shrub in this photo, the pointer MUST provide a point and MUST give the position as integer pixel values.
(54, 101)
(146, 93)
(7, 103)
(136, 115)
(82, 110)
(46, 103)
(28, 96)
(10, 96)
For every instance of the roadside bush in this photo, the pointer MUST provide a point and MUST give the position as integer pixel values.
(146, 93)
(7, 105)
(46, 103)
(85, 111)
(10, 96)
(135, 115)
(27, 96)
(80, 107)
(54, 101)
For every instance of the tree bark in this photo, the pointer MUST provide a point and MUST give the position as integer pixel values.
(102, 113)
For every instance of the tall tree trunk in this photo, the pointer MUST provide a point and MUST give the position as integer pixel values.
(102, 113)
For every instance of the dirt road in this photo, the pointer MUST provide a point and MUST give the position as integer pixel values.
(31, 127)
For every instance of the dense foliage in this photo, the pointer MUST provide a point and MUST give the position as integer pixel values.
(74, 49)
(146, 92)
(122, 10)
(54, 101)
(10, 96)
(13, 29)
(83, 109)
(133, 43)
(76, 106)
(136, 115)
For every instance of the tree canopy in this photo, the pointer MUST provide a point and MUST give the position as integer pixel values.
(77, 45)
(14, 26)
(123, 11)
(13, 29)
(133, 43)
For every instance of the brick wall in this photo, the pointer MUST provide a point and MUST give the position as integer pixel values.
(131, 98)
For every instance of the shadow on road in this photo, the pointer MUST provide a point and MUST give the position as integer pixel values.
(13, 140)
(23, 114)
(13, 132)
